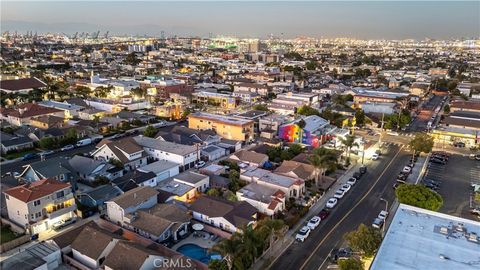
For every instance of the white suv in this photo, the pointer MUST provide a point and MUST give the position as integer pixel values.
(313, 223)
(302, 234)
(331, 203)
(339, 194)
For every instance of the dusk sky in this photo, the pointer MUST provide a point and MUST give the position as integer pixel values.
(375, 20)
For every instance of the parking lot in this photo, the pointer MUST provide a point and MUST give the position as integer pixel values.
(454, 179)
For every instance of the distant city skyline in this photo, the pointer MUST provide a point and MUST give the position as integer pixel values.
(355, 19)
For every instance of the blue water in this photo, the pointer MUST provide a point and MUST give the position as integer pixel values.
(196, 252)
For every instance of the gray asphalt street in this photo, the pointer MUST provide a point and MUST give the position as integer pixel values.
(360, 206)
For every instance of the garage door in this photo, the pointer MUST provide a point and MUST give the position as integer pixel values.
(163, 176)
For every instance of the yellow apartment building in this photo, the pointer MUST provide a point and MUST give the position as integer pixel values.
(228, 127)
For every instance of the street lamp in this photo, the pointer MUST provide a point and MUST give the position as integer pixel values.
(386, 210)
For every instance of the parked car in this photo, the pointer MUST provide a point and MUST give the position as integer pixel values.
(352, 181)
(383, 215)
(84, 142)
(475, 211)
(346, 187)
(323, 214)
(313, 223)
(363, 169)
(302, 234)
(200, 164)
(407, 169)
(375, 156)
(402, 176)
(47, 153)
(438, 161)
(357, 175)
(397, 184)
(459, 144)
(63, 223)
(340, 254)
(331, 203)
(30, 156)
(67, 147)
(377, 223)
(339, 194)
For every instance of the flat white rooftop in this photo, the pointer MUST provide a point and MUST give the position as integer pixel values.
(422, 239)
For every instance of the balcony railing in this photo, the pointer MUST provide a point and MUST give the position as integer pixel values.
(59, 212)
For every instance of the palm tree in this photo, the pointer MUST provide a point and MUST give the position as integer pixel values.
(271, 229)
(322, 159)
(348, 143)
(228, 248)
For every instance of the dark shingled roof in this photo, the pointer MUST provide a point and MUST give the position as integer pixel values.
(21, 84)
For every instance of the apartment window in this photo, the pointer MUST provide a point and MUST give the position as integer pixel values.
(36, 203)
(37, 215)
(60, 194)
(31, 216)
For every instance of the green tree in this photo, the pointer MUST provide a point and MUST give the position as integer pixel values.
(71, 137)
(186, 113)
(47, 143)
(419, 196)
(349, 142)
(150, 131)
(307, 110)
(261, 107)
(311, 65)
(228, 248)
(102, 92)
(351, 264)
(421, 143)
(301, 124)
(83, 91)
(360, 117)
(365, 239)
(217, 265)
(214, 192)
(234, 177)
(446, 109)
(139, 92)
(117, 163)
(322, 159)
(132, 59)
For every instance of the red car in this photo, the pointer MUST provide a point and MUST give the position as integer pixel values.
(323, 214)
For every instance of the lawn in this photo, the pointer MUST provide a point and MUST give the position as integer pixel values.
(19, 154)
(7, 234)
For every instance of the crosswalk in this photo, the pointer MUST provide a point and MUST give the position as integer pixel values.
(475, 174)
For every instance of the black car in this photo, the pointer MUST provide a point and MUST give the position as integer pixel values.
(397, 184)
(459, 144)
(438, 161)
(402, 176)
(357, 175)
(340, 254)
(432, 187)
(363, 169)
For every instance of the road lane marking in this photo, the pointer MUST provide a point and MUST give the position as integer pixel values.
(351, 210)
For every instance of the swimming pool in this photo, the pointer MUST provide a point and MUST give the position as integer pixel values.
(196, 252)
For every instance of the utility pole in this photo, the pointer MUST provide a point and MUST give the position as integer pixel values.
(381, 130)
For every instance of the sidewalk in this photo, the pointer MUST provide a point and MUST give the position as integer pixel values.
(281, 245)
